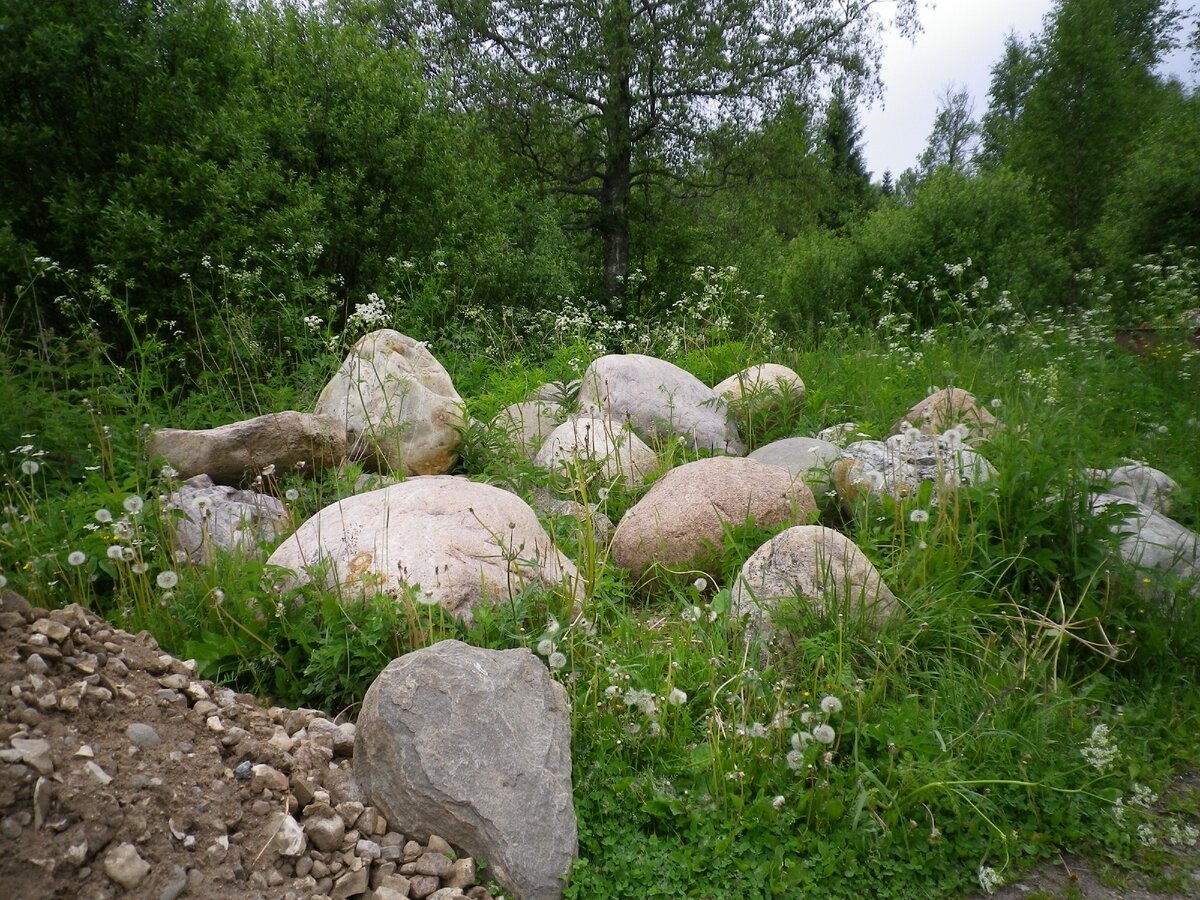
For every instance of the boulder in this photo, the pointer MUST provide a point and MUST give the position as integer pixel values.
(1165, 552)
(899, 466)
(946, 408)
(398, 405)
(807, 458)
(236, 453)
(681, 520)
(597, 449)
(763, 381)
(529, 423)
(216, 517)
(474, 745)
(563, 393)
(587, 515)
(820, 569)
(841, 433)
(660, 401)
(1138, 482)
(455, 542)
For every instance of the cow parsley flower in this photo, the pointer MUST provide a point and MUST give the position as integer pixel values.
(989, 879)
(1099, 749)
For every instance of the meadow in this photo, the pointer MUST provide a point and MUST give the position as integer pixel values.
(1027, 698)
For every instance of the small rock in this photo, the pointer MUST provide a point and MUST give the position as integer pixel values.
(37, 664)
(124, 866)
(177, 885)
(142, 735)
(96, 772)
(351, 884)
(264, 777)
(437, 864)
(325, 831)
(462, 873)
(56, 631)
(365, 849)
(436, 844)
(243, 770)
(447, 893)
(422, 886)
(350, 811)
(41, 802)
(34, 752)
(289, 838)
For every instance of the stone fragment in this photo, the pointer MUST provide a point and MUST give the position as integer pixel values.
(462, 873)
(660, 401)
(398, 405)
(422, 886)
(125, 866)
(351, 884)
(437, 864)
(142, 735)
(490, 772)
(458, 543)
(34, 752)
(56, 631)
(286, 835)
(325, 829)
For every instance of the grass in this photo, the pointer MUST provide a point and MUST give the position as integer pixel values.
(955, 741)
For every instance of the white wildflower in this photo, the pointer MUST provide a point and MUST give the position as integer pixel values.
(989, 879)
(1099, 749)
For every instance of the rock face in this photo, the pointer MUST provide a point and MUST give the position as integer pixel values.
(475, 745)
(660, 401)
(806, 458)
(1140, 483)
(762, 381)
(948, 407)
(218, 517)
(681, 519)
(900, 465)
(821, 569)
(597, 449)
(236, 453)
(1162, 549)
(398, 405)
(529, 423)
(459, 542)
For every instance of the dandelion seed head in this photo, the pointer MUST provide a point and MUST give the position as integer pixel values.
(557, 660)
(30, 467)
(919, 516)
(76, 558)
(291, 495)
(114, 552)
(545, 647)
(677, 697)
(103, 516)
(824, 734)
(133, 504)
(831, 704)
(167, 579)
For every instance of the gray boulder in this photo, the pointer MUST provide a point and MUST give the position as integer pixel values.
(899, 466)
(807, 458)
(818, 568)
(236, 453)
(456, 542)
(597, 449)
(660, 401)
(398, 405)
(1165, 552)
(529, 423)
(681, 521)
(216, 517)
(766, 383)
(946, 408)
(1140, 483)
(474, 745)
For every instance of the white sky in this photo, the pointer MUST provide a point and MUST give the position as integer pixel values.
(960, 42)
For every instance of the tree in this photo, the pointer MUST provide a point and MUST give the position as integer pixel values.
(1093, 95)
(1012, 77)
(601, 96)
(954, 130)
(841, 137)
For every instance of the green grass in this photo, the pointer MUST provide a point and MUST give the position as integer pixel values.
(958, 740)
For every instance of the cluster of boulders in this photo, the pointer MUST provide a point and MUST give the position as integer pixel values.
(123, 774)
(443, 539)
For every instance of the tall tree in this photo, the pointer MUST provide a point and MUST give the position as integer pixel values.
(841, 136)
(1094, 93)
(1012, 77)
(953, 134)
(601, 96)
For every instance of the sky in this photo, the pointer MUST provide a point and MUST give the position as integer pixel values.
(960, 42)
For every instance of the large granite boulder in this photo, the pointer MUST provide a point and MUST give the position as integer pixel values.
(766, 383)
(660, 401)
(817, 569)
(206, 518)
(597, 449)
(946, 408)
(1165, 552)
(807, 458)
(458, 543)
(238, 452)
(681, 521)
(399, 406)
(899, 466)
(474, 745)
(529, 423)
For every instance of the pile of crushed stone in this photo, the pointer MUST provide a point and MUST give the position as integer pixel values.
(124, 775)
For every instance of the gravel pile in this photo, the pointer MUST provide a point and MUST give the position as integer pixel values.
(124, 775)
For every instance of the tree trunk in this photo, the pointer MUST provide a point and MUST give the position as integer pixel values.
(614, 230)
(618, 155)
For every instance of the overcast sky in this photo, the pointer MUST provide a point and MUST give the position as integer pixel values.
(961, 41)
